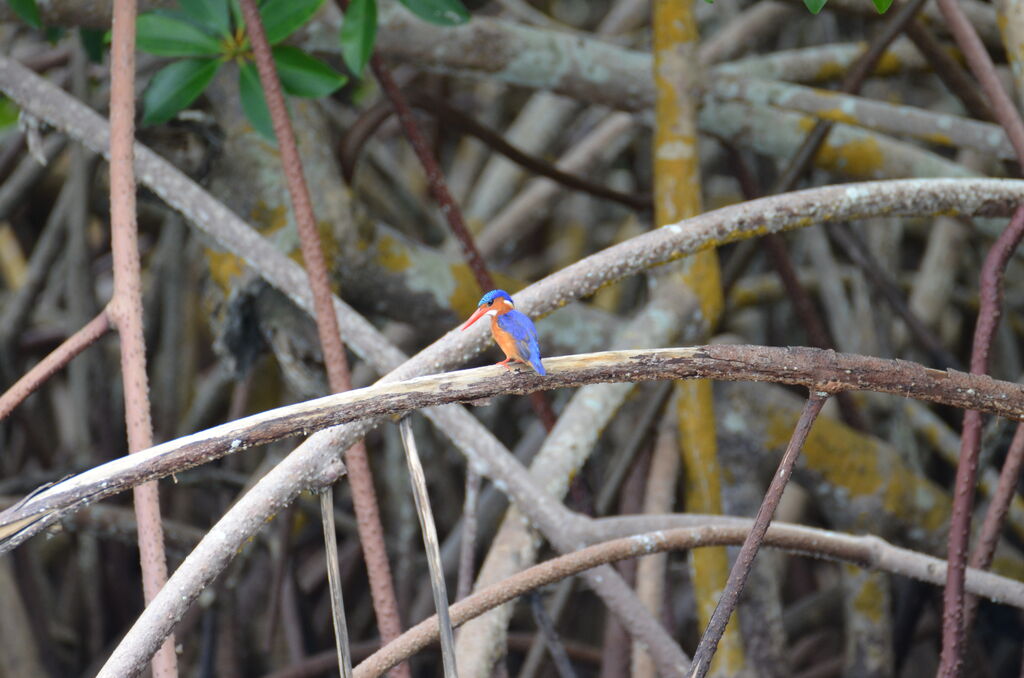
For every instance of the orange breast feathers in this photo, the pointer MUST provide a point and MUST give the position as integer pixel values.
(505, 340)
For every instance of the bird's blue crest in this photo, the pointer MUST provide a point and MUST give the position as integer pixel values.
(492, 295)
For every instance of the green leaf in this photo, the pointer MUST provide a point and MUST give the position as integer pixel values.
(882, 5)
(358, 33)
(175, 86)
(92, 43)
(253, 102)
(304, 76)
(212, 14)
(54, 34)
(170, 36)
(236, 13)
(9, 113)
(442, 12)
(815, 6)
(27, 11)
(281, 18)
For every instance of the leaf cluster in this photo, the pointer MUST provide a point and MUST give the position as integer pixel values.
(207, 35)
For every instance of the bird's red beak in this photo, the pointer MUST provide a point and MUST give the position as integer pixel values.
(477, 314)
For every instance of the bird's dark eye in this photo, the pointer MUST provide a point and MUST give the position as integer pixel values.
(491, 302)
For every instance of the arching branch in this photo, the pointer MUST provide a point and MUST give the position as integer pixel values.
(865, 551)
(814, 368)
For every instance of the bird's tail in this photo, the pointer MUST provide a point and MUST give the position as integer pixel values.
(538, 366)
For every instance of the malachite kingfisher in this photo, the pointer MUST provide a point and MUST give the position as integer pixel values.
(513, 331)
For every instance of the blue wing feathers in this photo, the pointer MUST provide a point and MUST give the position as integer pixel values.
(523, 331)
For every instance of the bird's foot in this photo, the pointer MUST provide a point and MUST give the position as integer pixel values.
(505, 363)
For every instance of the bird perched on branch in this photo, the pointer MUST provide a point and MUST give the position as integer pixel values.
(513, 331)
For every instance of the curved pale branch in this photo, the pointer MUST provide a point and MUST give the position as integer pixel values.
(804, 64)
(867, 551)
(909, 197)
(814, 368)
(779, 133)
(925, 125)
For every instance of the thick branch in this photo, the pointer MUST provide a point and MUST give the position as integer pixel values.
(813, 368)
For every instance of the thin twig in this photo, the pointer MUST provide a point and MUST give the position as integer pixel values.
(364, 496)
(988, 539)
(430, 544)
(467, 543)
(51, 242)
(15, 187)
(341, 642)
(559, 599)
(980, 63)
(359, 132)
(547, 631)
(54, 362)
(745, 560)
(435, 177)
(954, 629)
(859, 254)
(949, 70)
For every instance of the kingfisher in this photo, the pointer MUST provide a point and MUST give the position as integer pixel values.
(513, 331)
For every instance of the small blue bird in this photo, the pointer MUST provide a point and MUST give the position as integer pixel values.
(513, 331)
